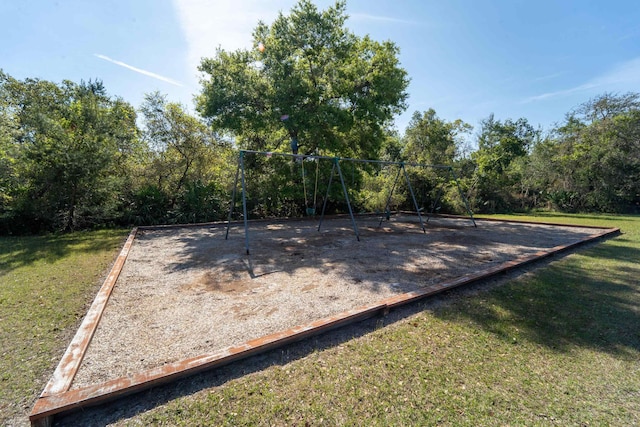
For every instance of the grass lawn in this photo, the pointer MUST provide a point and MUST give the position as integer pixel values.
(559, 345)
(46, 286)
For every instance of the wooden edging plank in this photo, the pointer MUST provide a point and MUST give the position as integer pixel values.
(70, 363)
(98, 393)
(58, 398)
(408, 297)
(524, 221)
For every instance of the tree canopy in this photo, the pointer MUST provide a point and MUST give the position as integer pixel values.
(308, 80)
(503, 146)
(593, 158)
(68, 144)
(73, 157)
(432, 140)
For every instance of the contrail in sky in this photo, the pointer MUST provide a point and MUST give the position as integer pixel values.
(624, 73)
(139, 70)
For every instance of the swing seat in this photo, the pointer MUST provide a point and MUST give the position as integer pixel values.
(311, 211)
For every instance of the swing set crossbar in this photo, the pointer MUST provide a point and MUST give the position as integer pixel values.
(346, 159)
(240, 176)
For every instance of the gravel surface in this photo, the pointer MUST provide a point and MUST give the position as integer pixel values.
(187, 291)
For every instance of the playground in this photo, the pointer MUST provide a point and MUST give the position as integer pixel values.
(184, 299)
(181, 299)
(186, 291)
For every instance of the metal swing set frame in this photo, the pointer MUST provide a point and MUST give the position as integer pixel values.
(240, 177)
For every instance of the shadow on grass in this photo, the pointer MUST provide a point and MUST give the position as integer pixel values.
(17, 252)
(575, 302)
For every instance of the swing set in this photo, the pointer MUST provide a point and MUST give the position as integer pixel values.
(240, 177)
(310, 211)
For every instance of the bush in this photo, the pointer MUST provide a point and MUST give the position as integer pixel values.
(149, 206)
(200, 203)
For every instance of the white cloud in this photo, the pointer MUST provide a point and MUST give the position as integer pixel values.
(623, 76)
(560, 93)
(548, 77)
(207, 24)
(379, 18)
(625, 73)
(138, 70)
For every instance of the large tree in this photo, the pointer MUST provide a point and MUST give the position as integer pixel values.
(307, 81)
(432, 140)
(183, 149)
(186, 168)
(8, 148)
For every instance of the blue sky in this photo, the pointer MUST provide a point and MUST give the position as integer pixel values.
(466, 58)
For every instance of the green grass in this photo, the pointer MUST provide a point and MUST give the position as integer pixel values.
(46, 286)
(559, 345)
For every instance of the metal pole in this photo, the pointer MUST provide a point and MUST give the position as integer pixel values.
(233, 198)
(244, 205)
(346, 196)
(464, 198)
(386, 207)
(326, 197)
(413, 196)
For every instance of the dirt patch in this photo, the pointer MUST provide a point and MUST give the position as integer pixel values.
(184, 292)
(212, 282)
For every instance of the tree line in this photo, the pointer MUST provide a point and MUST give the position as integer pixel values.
(72, 156)
(589, 162)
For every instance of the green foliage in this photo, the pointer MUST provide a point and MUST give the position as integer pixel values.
(201, 202)
(8, 150)
(593, 161)
(502, 149)
(186, 169)
(149, 205)
(283, 186)
(65, 154)
(182, 148)
(431, 140)
(72, 157)
(198, 202)
(308, 78)
(277, 186)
